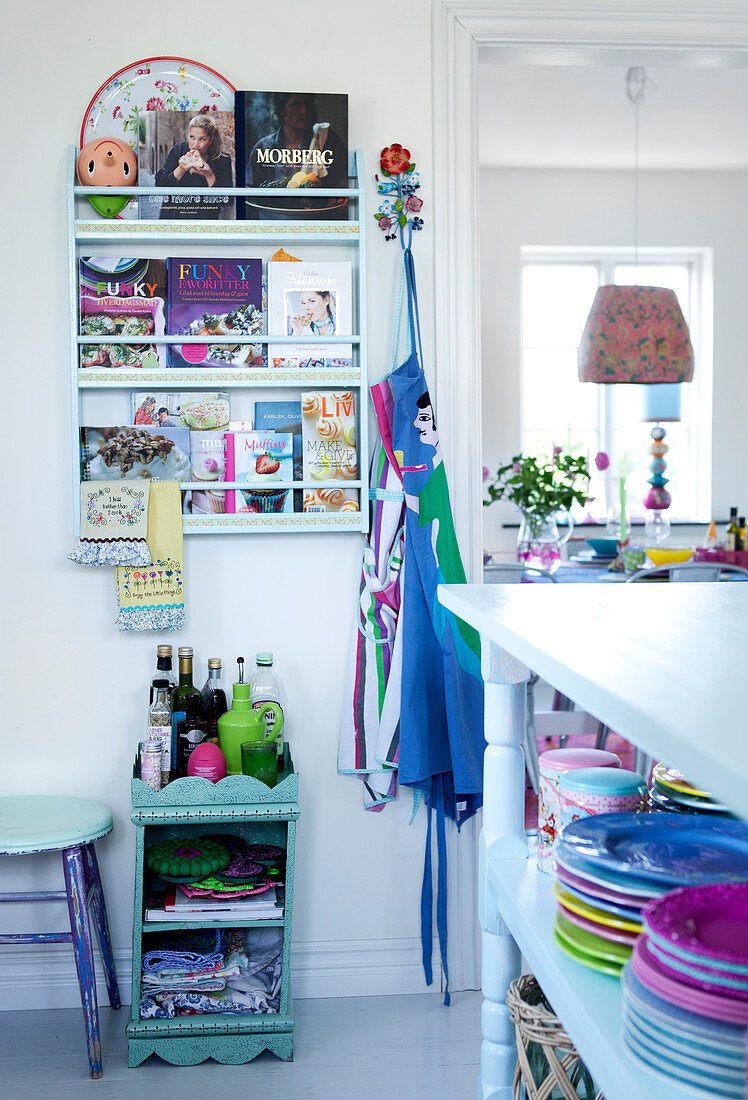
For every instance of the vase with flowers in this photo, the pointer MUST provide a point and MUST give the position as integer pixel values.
(541, 488)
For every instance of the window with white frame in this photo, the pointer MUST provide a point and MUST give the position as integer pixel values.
(558, 410)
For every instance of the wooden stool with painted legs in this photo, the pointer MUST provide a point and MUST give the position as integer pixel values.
(30, 825)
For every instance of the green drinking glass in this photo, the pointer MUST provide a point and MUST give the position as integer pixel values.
(260, 759)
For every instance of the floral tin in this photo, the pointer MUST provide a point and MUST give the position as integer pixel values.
(553, 764)
(590, 791)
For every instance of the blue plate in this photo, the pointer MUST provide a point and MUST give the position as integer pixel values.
(596, 872)
(678, 1044)
(669, 1018)
(705, 1082)
(673, 849)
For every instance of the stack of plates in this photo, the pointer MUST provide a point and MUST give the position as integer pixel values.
(671, 791)
(611, 866)
(686, 988)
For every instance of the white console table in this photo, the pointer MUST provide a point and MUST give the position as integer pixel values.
(664, 665)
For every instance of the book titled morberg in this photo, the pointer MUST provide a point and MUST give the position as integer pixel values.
(297, 143)
(215, 297)
(310, 301)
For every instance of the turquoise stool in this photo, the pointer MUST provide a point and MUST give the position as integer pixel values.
(30, 825)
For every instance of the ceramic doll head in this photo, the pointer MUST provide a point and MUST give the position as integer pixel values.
(107, 162)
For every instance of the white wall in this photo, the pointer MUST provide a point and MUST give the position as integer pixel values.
(75, 688)
(594, 208)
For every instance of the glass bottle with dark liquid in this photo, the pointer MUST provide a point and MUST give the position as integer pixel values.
(183, 692)
(214, 698)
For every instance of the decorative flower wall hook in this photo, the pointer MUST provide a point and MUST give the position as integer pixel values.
(401, 181)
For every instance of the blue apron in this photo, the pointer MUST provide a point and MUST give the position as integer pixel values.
(441, 717)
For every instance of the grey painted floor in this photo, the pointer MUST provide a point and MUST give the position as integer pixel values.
(353, 1048)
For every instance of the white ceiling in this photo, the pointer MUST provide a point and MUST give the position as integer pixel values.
(542, 116)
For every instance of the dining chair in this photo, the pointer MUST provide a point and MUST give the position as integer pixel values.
(564, 720)
(690, 572)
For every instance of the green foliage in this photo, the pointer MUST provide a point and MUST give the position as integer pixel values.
(541, 486)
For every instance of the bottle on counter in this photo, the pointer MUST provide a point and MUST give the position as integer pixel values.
(265, 687)
(191, 731)
(159, 724)
(740, 540)
(213, 698)
(184, 691)
(163, 669)
(732, 532)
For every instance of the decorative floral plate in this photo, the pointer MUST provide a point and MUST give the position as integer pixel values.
(154, 84)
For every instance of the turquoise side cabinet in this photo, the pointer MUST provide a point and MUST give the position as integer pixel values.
(244, 806)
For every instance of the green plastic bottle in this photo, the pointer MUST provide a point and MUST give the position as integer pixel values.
(243, 723)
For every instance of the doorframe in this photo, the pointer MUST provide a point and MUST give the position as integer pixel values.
(572, 32)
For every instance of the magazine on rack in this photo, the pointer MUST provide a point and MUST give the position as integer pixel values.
(329, 441)
(121, 296)
(190, 154)
(196, 411)
(212, 296)
(111, 453)
(261, 459)
(310, 301)
(295, 142)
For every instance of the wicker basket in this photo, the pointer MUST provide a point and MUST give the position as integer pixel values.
(548, 1066)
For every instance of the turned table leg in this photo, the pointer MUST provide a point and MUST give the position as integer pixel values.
(502, 837)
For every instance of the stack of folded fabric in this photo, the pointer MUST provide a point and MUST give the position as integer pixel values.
(212, 971)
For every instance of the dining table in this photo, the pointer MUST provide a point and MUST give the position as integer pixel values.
(662, 664)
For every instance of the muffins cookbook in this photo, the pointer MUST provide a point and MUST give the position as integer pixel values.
(263, 460)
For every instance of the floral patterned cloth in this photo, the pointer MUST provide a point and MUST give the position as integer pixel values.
(114, 524)
(152, 597)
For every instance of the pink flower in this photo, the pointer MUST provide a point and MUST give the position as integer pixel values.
(155, 104)
(394, 159)
(385, 223)
(486, 473)
(517, 468)
(602, 461)
(413, 203)
(556, 449)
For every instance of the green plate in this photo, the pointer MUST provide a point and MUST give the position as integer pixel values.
(588, 944)
(586, 960)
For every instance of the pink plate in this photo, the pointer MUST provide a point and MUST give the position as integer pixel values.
(616, 935)
(710, 922)
(715, 1005)
(596, 890)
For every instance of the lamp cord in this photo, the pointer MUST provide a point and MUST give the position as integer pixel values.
(637, 82)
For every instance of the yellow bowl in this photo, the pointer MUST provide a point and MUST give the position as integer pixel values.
(668, 555)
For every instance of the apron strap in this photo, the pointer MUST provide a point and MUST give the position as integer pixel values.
(427, 890)
(427, 906)
(396, 359)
